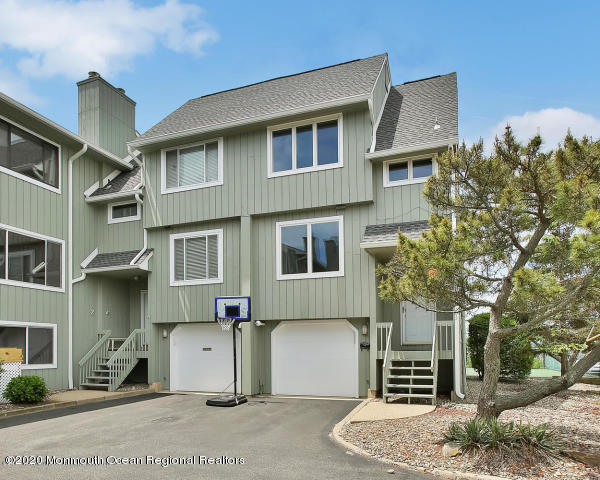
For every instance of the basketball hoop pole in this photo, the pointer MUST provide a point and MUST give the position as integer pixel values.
(234, 365)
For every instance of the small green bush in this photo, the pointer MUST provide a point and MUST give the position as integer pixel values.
(28, 389)
(516, 355)
(479, 434)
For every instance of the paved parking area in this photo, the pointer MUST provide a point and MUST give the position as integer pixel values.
(271, 438)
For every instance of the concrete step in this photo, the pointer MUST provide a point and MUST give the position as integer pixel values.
(409, 395)
(403, 385)
(95, 386)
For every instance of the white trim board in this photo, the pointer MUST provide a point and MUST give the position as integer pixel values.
(39, 236)
(202, 233)
(25, 178)
(53, 326)
(315, 166)
(308, 222)
(164, 190)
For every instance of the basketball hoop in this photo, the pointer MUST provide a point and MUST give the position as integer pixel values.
(225, 323)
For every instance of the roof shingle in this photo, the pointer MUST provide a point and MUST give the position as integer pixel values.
(388, 232)
(411, 111)
(273, 96)
(123, 182)
(117, 259)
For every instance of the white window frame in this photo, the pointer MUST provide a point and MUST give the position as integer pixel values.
(46, 238)
(309, 222)
(26, 325)
(133, 218)
(25, 178)
(410, 180)
(202, 233)
(316, 166)
(163, 167)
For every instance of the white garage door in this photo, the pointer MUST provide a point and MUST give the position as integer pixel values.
(315, 358)
(202, 358)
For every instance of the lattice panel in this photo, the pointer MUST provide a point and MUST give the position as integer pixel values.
(9, 371)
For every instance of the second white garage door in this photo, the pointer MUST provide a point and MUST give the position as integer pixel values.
(202, 358)
(315, 358)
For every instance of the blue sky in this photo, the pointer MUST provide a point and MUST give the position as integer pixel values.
(535, 64)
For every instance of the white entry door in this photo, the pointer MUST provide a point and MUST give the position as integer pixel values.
(314, 358)
(417, 324)
(202, 358)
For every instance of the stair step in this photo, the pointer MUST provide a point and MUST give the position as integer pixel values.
(418, 377)
(95, 386)
(408, 367)
(101, 371)
(402, 385)
(96, 377)
(409, 395)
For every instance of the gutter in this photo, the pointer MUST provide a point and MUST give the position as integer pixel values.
(70, 259)
(238, 123)
(411, 148)
(458, 336)
(113, 196)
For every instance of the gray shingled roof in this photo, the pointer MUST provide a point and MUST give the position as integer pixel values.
(117, 259)
(273, 96)
(411, 110)
(388, 232)
(123, 182)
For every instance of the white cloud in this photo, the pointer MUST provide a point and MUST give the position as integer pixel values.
(61, 37)
(553, 124)
(14, 86)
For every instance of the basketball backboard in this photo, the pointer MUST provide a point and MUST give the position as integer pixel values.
(237, 308)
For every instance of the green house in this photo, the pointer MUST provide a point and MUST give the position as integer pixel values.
(114, 245)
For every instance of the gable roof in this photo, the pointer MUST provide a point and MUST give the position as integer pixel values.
(411, 111)
(314, 88)
(124, 182)
(117, 259)
(388, 232)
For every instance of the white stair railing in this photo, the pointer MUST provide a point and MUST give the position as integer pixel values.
(434, 363)
(94, 357)
(124, 359)
(388, 343)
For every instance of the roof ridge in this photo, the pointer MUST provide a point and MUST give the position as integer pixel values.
(287, 76)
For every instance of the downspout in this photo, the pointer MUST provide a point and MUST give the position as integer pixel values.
(458, 337)
(70, 258)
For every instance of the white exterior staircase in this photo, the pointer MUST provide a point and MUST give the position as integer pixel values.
(409, 374)
(110, 360)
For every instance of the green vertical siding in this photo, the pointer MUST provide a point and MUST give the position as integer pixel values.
(248, 191)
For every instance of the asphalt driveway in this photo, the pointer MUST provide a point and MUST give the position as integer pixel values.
(264, 439)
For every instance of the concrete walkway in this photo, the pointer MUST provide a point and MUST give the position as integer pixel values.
(375, 410)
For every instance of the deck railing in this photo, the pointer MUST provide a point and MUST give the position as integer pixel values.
(124, 359)
(383, 332)
(94, 357)
(445, 332)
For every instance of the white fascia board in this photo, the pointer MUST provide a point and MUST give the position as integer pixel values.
(248, 121)
(411, 149)
(386, 244)
(89, 258)
(63, 131)
(113, 196)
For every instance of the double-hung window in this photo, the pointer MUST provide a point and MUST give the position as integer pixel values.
(403, 172)
(31, 260)
(310, 248)
(305, 146)
(193, 166)
(29, 157)
(36, 340)
(124, 212)
(197, 258)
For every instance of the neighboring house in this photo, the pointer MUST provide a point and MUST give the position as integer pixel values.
(290, 191)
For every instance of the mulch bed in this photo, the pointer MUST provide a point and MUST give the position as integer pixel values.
(418, 441)
(7, 407)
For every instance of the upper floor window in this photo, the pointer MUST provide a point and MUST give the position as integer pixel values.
(305, 146)
(36, 340)
(124, 212)
(402, 172)
(30, 260)
(192, 166)
(322, 256)
(197, 257)
(29, 157)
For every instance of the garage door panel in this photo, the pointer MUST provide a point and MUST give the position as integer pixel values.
(315, 358)
(202, 358)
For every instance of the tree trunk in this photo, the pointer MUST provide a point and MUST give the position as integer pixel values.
(486, 405)
(564, 364)
(551, 386)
